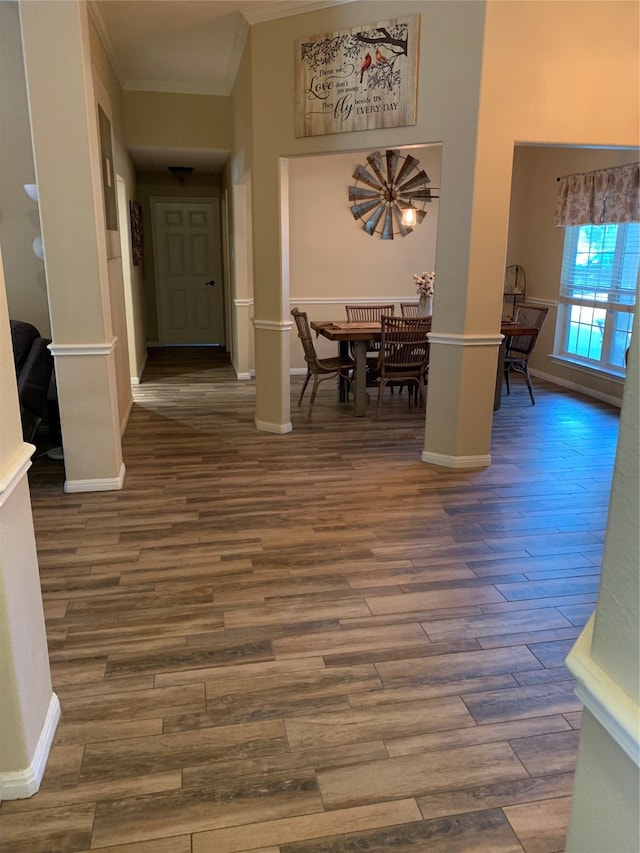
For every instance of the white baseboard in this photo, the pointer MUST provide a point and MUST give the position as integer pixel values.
(581, 389)
(446, 461)
(243, 376)
(109, 484)
(24, 783)
(298, 371)
(277, 429)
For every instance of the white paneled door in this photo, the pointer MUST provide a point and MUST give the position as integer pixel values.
(189, 286)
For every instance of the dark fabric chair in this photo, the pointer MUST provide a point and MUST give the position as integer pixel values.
(520, 347)
(404, 354)
(34, 366)
(319, 368)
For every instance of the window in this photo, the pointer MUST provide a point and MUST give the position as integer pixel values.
(598, 287)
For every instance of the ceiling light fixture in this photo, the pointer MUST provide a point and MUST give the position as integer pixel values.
(181, 172)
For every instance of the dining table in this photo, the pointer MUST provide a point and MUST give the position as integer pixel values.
(362, 334)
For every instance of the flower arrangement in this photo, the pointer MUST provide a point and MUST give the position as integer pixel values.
(425, 282)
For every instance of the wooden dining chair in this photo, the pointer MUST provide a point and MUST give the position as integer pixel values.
(319, 368)
(409, 309)
(404, 354)
(368, 314)
(520, 347)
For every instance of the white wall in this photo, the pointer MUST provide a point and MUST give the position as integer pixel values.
(19, 217)
(332, 260)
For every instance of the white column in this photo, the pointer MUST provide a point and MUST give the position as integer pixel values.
(64, 129)
(29, 709)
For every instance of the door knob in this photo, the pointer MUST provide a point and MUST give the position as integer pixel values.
(210, 283)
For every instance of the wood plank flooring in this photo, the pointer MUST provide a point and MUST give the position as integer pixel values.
(315, 643)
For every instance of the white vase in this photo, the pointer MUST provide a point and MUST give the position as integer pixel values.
(425, 306)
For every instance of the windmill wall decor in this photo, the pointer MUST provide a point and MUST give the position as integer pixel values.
(390, 185)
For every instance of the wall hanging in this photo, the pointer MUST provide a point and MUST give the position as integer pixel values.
(388, 188)
(358, 79)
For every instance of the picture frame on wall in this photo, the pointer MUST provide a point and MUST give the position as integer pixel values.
(137, 233)
(108, 176)
(359, 79)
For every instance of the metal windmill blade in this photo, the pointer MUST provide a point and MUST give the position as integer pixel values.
(393, 156)
(387, 228)
(360, 193)
(423, 195)
(361, 174)
(420, 178)
(410, 163)
(403, 229)
(358, 210)
(371, 224)
(375, 161)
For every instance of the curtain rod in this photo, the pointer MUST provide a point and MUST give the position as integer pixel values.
(606, 169)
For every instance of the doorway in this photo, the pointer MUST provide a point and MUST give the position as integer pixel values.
(188, 271)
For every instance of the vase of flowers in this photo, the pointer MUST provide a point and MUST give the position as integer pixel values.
(425, 282)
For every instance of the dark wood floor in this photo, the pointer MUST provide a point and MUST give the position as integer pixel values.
(315, 643)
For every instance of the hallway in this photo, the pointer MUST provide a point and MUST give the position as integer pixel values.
(315, 643)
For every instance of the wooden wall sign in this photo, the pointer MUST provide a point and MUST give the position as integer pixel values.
(360, 79)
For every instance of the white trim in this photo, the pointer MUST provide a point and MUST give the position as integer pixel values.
(278, 429)
(105, 348)
(270, 11)
(18, 468)
(465, 340)
(614, 709)
(446, 461)
(588, 369)
(581, 389)
(298, 371)
(97, 15)
(244, 376)
(352, 300)
(272, 325)
(548, 303)
(136, 380)
(243, 303)
(175, 88)
(108, 484)
(24, 783)
(124, 420)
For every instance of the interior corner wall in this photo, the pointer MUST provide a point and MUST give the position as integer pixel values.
(19, 217)
(537, 245)
(539, 85)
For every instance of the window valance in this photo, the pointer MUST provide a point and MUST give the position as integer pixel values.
(596, 198)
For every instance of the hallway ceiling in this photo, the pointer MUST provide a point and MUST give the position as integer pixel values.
(186, 47)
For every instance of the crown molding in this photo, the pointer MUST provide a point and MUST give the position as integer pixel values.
(270, 11)
(100, 21)
(175, 88)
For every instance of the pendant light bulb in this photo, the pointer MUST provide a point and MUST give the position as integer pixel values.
(409, 217)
